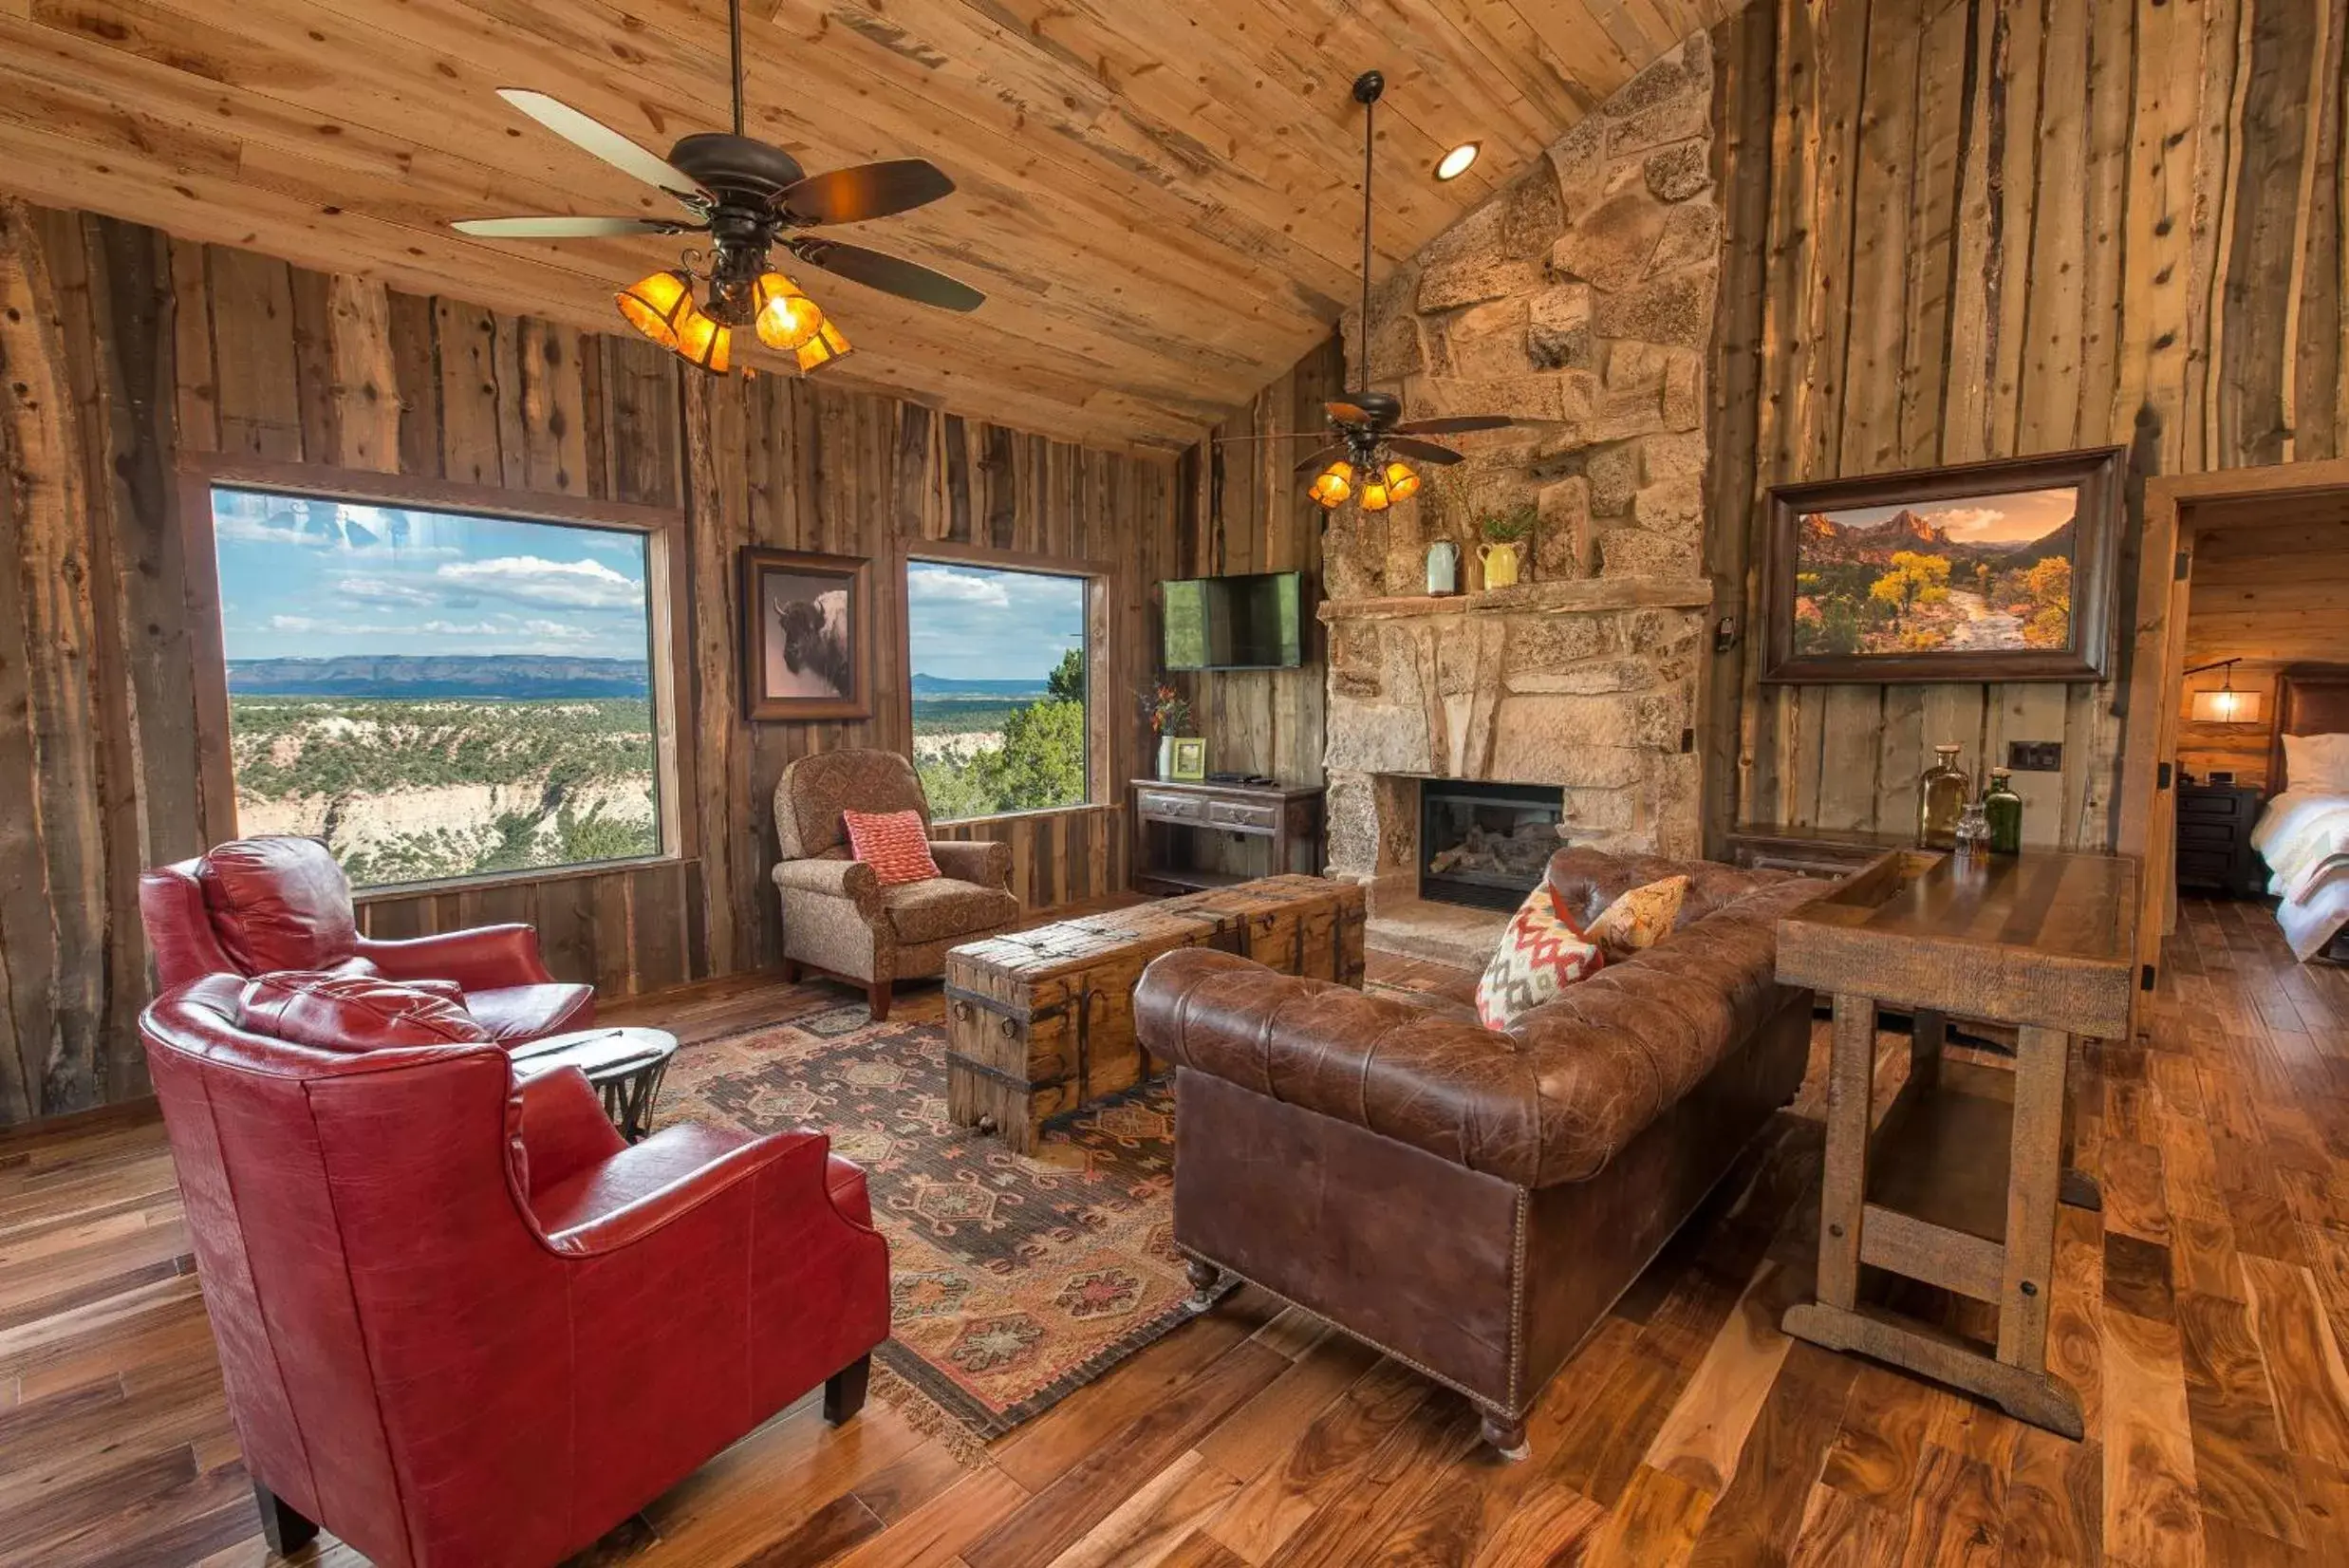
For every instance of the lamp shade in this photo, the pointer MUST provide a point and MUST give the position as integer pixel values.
(1375, 496)
(1334, 484)
(704, 340)
(654, 306)
(825, 347)
(2225, 706)
(783, 317)
(1401, 484)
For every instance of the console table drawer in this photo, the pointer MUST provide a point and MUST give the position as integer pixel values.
(1243, 816)
(1165, 806)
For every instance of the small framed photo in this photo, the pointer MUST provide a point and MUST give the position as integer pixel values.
(807, 635)
(1190, 759)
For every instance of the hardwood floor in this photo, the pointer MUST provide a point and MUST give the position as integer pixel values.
(2202, 1317)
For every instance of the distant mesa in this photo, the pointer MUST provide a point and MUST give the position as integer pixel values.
(939, 685)
(488, 677)
(1822, 541)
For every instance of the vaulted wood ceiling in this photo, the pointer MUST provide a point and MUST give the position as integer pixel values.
(1162, 197)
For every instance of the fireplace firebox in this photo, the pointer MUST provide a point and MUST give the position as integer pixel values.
(1486, 845)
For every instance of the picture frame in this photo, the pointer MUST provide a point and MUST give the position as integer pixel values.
(1189, 765)
(1973, 598)
(807, 635)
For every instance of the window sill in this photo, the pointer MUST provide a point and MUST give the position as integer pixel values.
(394, 892)
(1026, 816)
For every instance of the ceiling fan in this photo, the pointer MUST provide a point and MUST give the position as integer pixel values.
(748, 197)
(1372, 437)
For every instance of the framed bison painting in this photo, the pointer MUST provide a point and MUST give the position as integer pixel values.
(807, 635)
(1984, 572)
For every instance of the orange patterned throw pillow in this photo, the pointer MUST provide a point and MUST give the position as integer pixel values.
(1539, 954)
(1639, 918)
(892, 843)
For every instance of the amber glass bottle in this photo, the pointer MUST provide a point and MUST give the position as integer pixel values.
(1940, 796)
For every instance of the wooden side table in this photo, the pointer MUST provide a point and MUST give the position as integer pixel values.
(1959, 1186)
(624, 1065)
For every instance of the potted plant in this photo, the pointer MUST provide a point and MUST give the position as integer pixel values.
(1168, 713)
(1504, 532)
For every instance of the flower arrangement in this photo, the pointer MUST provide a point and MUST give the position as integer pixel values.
(1166, 709)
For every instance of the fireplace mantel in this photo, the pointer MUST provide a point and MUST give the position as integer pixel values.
(1570, 596)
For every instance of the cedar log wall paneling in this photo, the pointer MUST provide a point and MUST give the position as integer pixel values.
(1964, 229)
(120, 347)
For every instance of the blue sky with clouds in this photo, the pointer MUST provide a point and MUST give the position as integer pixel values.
(974, 624)
(315, 579)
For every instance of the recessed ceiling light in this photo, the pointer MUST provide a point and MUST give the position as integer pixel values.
(1455, 163)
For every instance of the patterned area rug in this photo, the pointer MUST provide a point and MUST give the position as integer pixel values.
(1015, 1279)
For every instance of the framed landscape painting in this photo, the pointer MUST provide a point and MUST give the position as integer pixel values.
(1988, 572)
(807, 635)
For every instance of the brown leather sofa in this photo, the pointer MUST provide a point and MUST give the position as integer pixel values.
(1472, 1203)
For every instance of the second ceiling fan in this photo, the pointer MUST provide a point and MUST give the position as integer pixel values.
(748, 197)
(1365, 462)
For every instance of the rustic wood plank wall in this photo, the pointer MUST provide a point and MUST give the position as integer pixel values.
(121, 347)
(1967, 229)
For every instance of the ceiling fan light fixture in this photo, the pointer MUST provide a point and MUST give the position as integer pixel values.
(827, 345)
(1335, 484)
(655, 306)
(1375, 496)
(1401, 484)
(783, 317)
(1455, 163)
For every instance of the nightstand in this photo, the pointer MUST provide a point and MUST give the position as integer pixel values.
(2214, 839)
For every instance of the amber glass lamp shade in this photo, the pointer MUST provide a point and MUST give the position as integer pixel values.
(1334, 484)
(783, 317)
(1375, 496)
(825, 347)
(705, 342)
(655, 306)
(1401, 484)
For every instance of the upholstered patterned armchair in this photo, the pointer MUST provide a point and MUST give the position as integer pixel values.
(838, 918)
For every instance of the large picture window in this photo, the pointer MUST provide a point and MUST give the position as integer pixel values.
(999, 662)
(437, 694)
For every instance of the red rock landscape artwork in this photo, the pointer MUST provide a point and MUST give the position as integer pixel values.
(1974, 574)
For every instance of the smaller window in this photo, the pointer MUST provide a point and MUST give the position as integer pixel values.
(1000, 716)
(434, 694)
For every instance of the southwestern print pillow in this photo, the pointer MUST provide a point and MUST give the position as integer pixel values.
(1540, 954)
(1640, 918)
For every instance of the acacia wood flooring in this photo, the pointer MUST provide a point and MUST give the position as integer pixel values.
(2202, 1317)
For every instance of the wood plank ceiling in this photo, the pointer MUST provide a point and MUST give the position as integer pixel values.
(1163, 200)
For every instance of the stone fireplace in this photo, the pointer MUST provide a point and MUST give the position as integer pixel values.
(1578, 300)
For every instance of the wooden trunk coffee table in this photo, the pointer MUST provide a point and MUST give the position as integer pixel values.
(624, 1066)
(1041, 1021)
(1958, 1185)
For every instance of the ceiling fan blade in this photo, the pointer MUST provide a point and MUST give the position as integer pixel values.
(890, 274)
(600, 140)
(1426, 452)
(1316, 460)
(866, 190)
(567, 227)
(1278, 435)
(1456, 424)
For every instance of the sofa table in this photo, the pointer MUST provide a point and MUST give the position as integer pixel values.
(1959, 1184)
(624, 1066)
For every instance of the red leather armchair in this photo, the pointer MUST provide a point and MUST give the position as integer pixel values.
(460, 1322)
(257, 904)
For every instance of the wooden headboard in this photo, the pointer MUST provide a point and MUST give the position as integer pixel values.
(2310, 700)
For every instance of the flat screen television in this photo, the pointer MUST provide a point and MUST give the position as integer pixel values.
(1251, 622)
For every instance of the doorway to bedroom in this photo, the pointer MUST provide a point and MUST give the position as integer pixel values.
(2246, 673)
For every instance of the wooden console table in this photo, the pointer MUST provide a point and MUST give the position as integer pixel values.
(1171, 814)
(1959, 1185)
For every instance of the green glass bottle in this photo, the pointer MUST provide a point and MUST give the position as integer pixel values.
(2004, 810)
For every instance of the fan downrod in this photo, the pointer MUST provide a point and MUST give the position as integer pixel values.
(1368, 86)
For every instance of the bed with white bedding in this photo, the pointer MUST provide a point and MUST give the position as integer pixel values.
(2304, 833)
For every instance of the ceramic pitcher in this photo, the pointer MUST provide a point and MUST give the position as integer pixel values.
(1443, 568)
(1500, 564)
